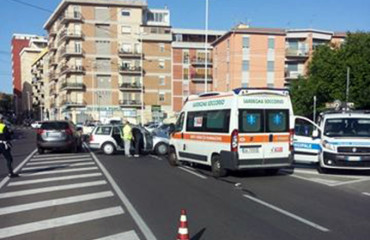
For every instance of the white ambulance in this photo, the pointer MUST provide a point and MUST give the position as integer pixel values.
(241, 129)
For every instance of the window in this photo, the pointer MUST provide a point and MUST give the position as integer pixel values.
(117, 131)
(270, 66)
(162, 81)
(103, 131)
(103, 65)
(125, 13)
(185, 57)
(104, 82)
(303, 128)
(102, 13)
(161, 47)
(292, 67)
(161, 96)
(251, 121)
(161, 63)
(186, 73)
(271, 43)
(102, 30)
(270, 85)
(103, 47)
(78, 47)
(245, 42)
(126, 30)
(180, 123)
(194, 122)
(210, 121)
(245, 65)
(277, 120)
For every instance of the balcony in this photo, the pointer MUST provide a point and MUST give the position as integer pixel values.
(73, 103)
(52, 91)
(52, 33)
(52, 46)
(292, 74)
(201, 77)
(130, 103)
(130, 70)
(69, 52)
(197, 61)
(290, 52)
(68, 35)
(52, 76)
(71, 17)
(73, 69)
(70, 86)
(130, 86)
(128, 53)
(52, 61)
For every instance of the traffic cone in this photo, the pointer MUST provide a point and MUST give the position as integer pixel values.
(183, 233)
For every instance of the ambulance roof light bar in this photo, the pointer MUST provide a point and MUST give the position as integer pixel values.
(239, 91)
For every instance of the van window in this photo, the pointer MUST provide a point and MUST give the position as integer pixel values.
(208, 121)
(180, 123)
(103, 131)
(251, 121)
(277, 120)
(194, 122)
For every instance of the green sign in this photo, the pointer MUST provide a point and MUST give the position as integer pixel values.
(211, 103)
(156, 108)
(263, 101)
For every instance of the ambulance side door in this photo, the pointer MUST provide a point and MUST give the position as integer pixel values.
(306, 141)
(178, 134)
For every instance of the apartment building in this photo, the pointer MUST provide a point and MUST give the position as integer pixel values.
(40, 93)
(27, 56)
(300, 45)
(191, 63)
(249, 57)
(96, 59)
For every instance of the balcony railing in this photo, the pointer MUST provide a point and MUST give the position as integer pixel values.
(201, 78)
(72, 86)
(201, 61)
(67, 35)
(52, 33)
(68, 52)
(52, 91)
(129, 53)
(71, 17)
(130, 103)
(130, 86)
(52, 61)
(52, 76)
(130, 69)
(52, 46)
(73, 103)
(290, 52)
(73, 69)
(292, 74)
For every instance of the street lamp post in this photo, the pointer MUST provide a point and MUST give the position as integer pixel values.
(141, 77)
(206, 51)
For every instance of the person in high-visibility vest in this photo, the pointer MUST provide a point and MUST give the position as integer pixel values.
(5, 146)
(127, 137)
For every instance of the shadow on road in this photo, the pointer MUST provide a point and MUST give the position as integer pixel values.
(198, 235)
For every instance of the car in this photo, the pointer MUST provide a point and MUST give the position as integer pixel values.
(166, 129)
(58, 135)
(151, 126)
(161, 142)
(36, 124)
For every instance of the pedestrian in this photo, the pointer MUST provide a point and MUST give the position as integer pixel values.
(137, 139)
(127, 137)
(5, 146)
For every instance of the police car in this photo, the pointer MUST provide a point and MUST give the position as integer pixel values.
(241, 129)
(342, 141)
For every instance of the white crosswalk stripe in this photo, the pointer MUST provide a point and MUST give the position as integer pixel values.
(54, 202)
(58, 158)
(53, 179)
(59, 161)
(51, 189)
(59, 222)
(59, 166)
(59, 155)
(130, 235)
(59, 171)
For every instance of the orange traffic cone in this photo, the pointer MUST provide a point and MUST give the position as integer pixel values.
(183, 233)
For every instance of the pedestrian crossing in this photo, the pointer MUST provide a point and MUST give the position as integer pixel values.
(63, 196)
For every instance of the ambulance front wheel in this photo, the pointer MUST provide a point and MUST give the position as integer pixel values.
(217, 169)
(172, 158)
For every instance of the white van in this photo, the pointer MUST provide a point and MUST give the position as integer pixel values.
(241, 129)
(342, 142)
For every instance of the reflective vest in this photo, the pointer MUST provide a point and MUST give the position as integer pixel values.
(2, 128)
(127, 132)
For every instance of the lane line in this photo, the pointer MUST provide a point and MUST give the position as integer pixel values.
(309, 179)
(59, 222)
(59, 161)
(286, 213)
(59, 166)
(190, 170)
(130, 235)
(51, 189)
(53, 179)
(366, 193)
(58, 158)
(135, 215)
(55, 202)
(58, 171)
(6, 179)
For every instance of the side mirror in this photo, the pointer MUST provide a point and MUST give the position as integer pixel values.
(315, 133)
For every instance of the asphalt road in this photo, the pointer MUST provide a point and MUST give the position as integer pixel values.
(297, 203)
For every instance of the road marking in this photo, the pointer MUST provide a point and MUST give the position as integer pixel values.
(58, 171)
(38, 156)
(351, 182)
(135, 215)
(156, 157)
(53, 179)
(190, 170)
(59, 166)
(50, 189)
(55, 202)
(59, 222)
(130, 235)
(6, 179)
(314, 172)
(59, 161)
(58, 158)
(298, 218)
(366, 193)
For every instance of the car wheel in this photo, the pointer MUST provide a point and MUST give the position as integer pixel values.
(40, 150)
(217, 169)
(172, 158)
(108, 148)
(161, 149)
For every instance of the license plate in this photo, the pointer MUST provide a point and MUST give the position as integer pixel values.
(250, 150)
(353, 158)
(53, 134)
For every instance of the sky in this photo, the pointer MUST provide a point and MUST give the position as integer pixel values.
(330, 15)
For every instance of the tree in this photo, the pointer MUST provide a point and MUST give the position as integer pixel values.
(327, 75)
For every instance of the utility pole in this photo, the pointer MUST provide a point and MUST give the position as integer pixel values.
(347, 88)
(206, 51)
(314, 108)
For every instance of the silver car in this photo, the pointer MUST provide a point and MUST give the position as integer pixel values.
(108, 139)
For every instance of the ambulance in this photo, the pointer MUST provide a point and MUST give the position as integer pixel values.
(242, 129)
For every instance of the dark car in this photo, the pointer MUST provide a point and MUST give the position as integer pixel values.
(58, 135)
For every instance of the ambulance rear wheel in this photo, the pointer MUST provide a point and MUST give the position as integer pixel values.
(172, 158)
(217, 169)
